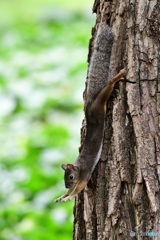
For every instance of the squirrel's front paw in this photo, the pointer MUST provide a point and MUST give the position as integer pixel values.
(67, 198)
(63, 199)
(58, 199)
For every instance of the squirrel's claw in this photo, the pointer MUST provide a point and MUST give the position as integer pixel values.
(67, 198)
(59, 199)
(64, 199)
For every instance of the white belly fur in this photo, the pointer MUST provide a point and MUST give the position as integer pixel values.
(97, 158)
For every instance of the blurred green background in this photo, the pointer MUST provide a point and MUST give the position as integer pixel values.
(43, 65)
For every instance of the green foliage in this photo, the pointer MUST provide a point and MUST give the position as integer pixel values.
(43, 66)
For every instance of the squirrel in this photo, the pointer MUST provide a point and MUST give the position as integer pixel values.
(98, 92)
(78, 174)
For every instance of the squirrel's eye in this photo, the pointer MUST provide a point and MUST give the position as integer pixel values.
(71, 177)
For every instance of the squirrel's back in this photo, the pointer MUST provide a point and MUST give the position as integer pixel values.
(97, 76)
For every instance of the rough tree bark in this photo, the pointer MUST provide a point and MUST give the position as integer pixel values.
(123, 194)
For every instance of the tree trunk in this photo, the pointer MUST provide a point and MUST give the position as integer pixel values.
(122, 200)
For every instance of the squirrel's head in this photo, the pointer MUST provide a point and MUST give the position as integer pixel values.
(71, 175)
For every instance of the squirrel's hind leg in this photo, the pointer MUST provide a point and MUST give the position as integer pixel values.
(104, 95)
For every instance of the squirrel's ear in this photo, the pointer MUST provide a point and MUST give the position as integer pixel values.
(73, 167)
(70, 166)
(64, 166)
